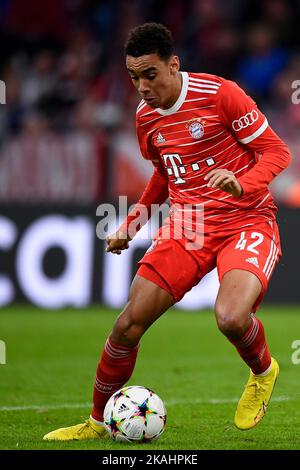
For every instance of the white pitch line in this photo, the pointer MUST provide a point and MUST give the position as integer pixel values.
(45, 407)
(216, 401)
(212, 401)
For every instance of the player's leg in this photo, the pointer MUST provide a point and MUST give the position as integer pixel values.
(243, 285)
(166, 273)
(147, 302)
(238, 293)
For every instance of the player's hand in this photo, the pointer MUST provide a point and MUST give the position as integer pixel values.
(225, 180)
(117, 242)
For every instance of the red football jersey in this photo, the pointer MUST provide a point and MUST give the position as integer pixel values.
(213, 124)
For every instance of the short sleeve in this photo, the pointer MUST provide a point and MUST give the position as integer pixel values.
(239, 113)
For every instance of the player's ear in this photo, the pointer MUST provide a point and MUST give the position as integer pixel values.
(174, 64)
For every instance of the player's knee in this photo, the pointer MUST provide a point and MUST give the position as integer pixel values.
(232, 323)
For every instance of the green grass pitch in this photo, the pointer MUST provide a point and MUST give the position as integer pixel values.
(52, 356)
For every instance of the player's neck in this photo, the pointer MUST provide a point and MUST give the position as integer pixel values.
(176, 92)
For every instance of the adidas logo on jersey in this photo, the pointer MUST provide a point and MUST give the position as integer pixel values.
(160, 138)
(123, 407)
(253, 260)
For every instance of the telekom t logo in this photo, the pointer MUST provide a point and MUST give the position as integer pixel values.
(176, 169)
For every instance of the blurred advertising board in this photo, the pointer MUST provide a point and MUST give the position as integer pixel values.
(51, 257)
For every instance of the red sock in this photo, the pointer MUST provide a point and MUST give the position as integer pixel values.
(253, 347)
(114, 370)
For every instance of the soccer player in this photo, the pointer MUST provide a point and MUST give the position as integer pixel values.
(213, 153)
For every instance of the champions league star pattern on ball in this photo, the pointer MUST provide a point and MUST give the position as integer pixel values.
(135, 414)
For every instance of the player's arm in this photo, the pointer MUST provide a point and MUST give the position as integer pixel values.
(240, 115)
(274, 158)
(156, 192)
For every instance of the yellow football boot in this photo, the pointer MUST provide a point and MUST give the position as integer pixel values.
(253, 403)
(79, 432)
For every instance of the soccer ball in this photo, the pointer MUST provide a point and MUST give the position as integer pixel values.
(135, 414)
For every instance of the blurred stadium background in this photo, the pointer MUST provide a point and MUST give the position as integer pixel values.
(67, 134)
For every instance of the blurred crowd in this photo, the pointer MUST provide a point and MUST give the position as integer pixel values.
(63, 65)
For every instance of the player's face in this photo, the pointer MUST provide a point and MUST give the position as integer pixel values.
(157, 81)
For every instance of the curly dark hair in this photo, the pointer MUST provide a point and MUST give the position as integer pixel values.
(150, 38)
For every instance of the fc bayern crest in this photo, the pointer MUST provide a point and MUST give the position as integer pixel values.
(196, 129)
